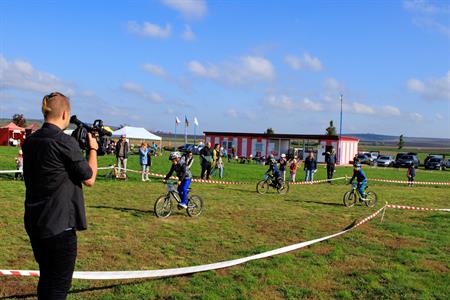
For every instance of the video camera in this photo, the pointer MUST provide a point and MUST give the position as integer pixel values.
(97, 130)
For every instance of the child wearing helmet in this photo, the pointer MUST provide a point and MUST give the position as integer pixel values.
(361, 178)
(273, 167)
(184, 176)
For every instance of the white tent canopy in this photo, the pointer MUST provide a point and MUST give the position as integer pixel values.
(136, 133)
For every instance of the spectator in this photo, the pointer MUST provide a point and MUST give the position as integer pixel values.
(310, 167)
(411, 173)
(150, 159)
(143, 159)
(19, 166)
(215, 156)
(188, 159)
(293, 169)
(206, 159)
(283, 164)
(122, 150)
(330, 159)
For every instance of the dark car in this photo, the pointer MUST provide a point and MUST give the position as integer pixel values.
(436, 163)
(406, 160)
(365, 159)
(185, 147)
(430, 156)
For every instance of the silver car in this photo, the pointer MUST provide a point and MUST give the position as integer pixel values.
(385, 161)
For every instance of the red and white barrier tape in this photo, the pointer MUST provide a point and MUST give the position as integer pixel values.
(316, 181)
(214, 266)
(414, 182)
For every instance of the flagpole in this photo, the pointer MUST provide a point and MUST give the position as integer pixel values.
(185, 130)
(195, 140)
(175, 138)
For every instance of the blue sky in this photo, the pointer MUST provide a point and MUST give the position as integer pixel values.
(235, 65)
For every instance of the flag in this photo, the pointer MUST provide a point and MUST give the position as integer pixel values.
(195, 121)
(177, 121)
(186, 122)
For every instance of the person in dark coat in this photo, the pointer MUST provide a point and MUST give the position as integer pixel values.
(330, 159)
(206, 157)
(310, 167)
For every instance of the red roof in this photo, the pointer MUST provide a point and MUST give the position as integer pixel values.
(12, 126)
(33, 127)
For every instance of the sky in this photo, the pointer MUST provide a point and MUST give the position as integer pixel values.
(240, 66)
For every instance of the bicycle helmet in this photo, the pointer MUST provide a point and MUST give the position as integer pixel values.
(174, 155)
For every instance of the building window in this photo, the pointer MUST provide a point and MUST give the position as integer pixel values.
(259, 147)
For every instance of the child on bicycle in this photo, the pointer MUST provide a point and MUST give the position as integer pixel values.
(273, 167)
(361, 178)
(184, 176)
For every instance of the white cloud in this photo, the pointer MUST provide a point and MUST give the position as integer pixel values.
(155, 70)
(258, 66)
(309, 105)
(361, 108)
(188, 8)
(312, 63)
(21, 75)
(308, 62)
(245, 70)
(235, 114)
(199, 69)
(150, 30)
(188, 34)
(232, 113)
(390, 110)
(439, 116)
(416, 117)
(333, 87)
(293, 61)
(430, 15)
(432, 89)
(137, 89)
(283, 102)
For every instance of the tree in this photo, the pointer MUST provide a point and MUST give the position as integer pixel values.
(270, 131)
(401, 142)
(19, 120)
(331, 130)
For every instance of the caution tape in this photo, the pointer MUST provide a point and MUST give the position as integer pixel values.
(114, 275)
(413, 182)
(317, 181)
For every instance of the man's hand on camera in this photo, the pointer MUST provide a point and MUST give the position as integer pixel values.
(93, 145)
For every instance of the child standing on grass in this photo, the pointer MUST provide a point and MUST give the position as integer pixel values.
(19, 166)
(411, 173)
(293, 169)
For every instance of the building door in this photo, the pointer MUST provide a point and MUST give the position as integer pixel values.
(244, 147)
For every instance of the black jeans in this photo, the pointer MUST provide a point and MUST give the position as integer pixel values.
(330, 172)
(206, 169)
(56, 258)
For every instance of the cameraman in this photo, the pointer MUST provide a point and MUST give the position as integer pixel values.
(54, 169)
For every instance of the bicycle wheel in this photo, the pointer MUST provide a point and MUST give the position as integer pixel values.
(283, 189)
(163, 206)
(371, 199)
(349, 199)
(262, 187)
(194, 206)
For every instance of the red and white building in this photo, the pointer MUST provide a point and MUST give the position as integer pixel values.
(261, 144)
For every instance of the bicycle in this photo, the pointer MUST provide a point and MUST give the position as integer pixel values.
(263, 186)
(163, 205)
(352, 196)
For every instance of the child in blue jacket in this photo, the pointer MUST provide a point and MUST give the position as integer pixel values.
(361, 178)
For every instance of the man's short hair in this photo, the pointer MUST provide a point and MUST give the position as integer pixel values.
(54, 104)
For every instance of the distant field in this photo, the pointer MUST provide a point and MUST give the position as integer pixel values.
(405, 257)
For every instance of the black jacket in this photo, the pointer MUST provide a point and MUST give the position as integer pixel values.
(310, 164)
(53, 169)
(181, 170)
(119, 143)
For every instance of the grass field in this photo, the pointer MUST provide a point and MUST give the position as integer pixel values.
(405, 257)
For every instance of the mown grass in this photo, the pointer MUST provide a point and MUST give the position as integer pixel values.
(405, 257)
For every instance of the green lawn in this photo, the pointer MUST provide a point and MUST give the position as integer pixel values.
(405, 257)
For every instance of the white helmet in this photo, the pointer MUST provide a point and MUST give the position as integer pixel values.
(283, 155)
(174, 155)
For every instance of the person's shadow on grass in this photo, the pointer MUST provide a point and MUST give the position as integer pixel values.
(134, 211)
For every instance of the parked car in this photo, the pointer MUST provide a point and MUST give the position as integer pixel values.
(365, 159)
(436, 163)
(406, 160)
(431, 156)
(385, 161)
(185, 147)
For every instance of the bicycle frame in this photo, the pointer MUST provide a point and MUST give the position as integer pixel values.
(172, 191)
